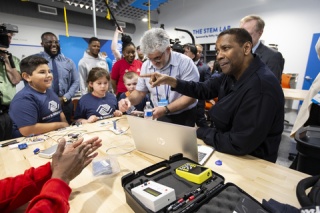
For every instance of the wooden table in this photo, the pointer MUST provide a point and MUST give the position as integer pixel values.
(259, 178)
(294, 94)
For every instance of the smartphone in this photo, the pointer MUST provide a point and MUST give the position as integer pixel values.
(47, 153)
(204, 153)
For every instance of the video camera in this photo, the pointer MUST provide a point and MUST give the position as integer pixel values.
(4, 30)
(176, 46)
(4, 41)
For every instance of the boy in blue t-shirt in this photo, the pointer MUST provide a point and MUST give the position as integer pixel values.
(98, 103)
(36, 109)
(130, 80)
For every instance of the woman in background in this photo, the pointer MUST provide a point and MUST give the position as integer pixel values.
(127, 63)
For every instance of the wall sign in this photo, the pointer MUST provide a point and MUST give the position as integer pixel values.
(208, 32)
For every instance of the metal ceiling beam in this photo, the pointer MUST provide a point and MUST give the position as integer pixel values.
(120, 8)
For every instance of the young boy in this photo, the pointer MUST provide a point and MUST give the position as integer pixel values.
(36, 109)
(130, 80)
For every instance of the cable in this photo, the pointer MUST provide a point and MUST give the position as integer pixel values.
(122, 153)
(130, 149)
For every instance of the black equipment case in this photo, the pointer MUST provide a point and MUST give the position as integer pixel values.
(215, 195)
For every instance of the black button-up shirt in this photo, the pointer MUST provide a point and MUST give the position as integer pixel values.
(249, 115)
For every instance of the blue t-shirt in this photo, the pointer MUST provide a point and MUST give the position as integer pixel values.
(90, 105)
(29, 107)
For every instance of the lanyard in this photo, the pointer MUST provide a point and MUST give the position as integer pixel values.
(166, 91)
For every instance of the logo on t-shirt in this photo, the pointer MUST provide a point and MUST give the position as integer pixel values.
(53, 106)
(104, 109)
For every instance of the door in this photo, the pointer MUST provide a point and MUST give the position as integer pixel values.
(313, 65)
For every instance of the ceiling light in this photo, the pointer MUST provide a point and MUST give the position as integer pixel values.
(145, 19)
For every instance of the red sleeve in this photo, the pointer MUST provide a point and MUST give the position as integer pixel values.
(16, 191)
(53, 198)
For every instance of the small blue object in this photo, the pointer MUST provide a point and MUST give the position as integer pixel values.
(36, 151)
(218, 162)
(22, 146)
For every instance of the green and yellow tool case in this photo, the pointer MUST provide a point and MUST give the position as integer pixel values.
(181, 185)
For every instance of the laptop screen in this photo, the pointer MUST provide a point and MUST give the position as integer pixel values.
(163, 139)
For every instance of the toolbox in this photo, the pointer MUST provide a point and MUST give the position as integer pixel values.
(182, 185)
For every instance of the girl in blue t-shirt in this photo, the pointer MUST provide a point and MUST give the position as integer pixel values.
(98, 103)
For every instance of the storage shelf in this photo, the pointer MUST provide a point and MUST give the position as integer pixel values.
(209, 53)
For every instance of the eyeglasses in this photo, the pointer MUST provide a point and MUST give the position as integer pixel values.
(157, 59)
(51, 42)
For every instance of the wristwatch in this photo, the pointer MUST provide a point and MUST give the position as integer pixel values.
(64, 99)
(167, 110)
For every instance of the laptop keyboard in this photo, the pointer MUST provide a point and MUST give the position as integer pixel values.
(201, 155)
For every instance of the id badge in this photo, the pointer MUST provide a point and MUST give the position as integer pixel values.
(163, 102)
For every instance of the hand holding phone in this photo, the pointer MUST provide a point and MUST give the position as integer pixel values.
(47, 153)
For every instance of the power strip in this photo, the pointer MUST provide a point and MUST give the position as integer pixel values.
(39, 140)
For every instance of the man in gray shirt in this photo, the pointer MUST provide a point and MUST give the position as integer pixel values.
(169, 106)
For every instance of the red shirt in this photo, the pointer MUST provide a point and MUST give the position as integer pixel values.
(48, 195)
(120, 68)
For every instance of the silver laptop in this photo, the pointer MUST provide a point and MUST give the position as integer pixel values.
(163, 139)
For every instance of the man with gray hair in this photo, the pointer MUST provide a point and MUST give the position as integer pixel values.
(248, 118)
(271, 57)
(169, 106)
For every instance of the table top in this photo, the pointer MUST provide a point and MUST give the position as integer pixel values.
(259, 178)
(294, 94)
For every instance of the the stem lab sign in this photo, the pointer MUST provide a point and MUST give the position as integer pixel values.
(209, 32)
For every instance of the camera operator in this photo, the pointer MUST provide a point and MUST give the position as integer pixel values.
(9, 78)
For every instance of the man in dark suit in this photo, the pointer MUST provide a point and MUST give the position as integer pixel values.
(271, 57)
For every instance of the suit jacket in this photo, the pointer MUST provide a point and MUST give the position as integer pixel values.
(272, 58)
(204, 71)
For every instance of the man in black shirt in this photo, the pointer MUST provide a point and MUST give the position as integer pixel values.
(248, 118)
